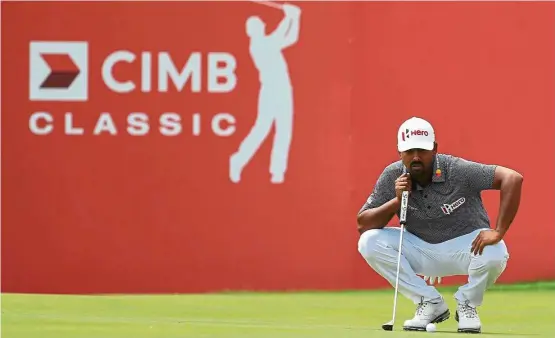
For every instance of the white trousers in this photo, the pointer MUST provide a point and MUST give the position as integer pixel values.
(380, 249)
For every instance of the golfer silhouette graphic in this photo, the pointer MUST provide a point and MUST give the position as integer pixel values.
(275, 98)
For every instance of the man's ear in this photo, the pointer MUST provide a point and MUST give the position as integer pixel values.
(435, 148)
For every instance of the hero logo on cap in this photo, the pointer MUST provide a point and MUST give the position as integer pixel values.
(405, 134)
(408, 133)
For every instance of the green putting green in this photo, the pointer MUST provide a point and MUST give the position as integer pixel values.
(509, 310)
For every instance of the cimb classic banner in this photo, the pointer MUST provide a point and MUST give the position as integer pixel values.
(201, 146)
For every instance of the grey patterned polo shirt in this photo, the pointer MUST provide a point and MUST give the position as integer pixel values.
(449, 207)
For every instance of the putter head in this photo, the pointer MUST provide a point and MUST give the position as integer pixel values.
(388, 326)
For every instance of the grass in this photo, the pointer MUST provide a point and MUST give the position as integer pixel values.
(524, 310)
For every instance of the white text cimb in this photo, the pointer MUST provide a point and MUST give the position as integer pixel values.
(137, 124)
(218, 72)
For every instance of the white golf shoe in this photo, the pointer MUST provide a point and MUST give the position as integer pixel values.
(468, 319)
(435, 311)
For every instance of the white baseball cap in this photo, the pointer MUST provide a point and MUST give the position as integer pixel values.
(415, 133)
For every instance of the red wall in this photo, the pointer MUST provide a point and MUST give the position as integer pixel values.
(156, 213)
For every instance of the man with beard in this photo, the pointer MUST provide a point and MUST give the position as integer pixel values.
(447, 230)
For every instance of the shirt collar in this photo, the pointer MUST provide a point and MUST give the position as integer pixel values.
(439, 171)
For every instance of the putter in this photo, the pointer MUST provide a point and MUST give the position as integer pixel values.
(403, 220)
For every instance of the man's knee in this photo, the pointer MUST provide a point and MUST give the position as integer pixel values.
(494, 258)
(369, 243)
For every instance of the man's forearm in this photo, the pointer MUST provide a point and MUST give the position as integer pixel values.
(378, 218)
(510, 189)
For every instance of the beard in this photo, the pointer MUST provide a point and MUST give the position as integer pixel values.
(417, 169)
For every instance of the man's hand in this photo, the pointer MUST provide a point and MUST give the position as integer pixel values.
(484, 238)
(291, 10)
(432, 279)
(403, 183)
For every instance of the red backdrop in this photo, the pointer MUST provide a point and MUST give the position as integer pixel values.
(157, 213)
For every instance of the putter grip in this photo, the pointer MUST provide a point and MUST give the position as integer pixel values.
(404, 207)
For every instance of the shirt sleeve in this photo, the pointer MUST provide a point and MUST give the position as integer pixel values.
(383, 191)
(478, 176)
